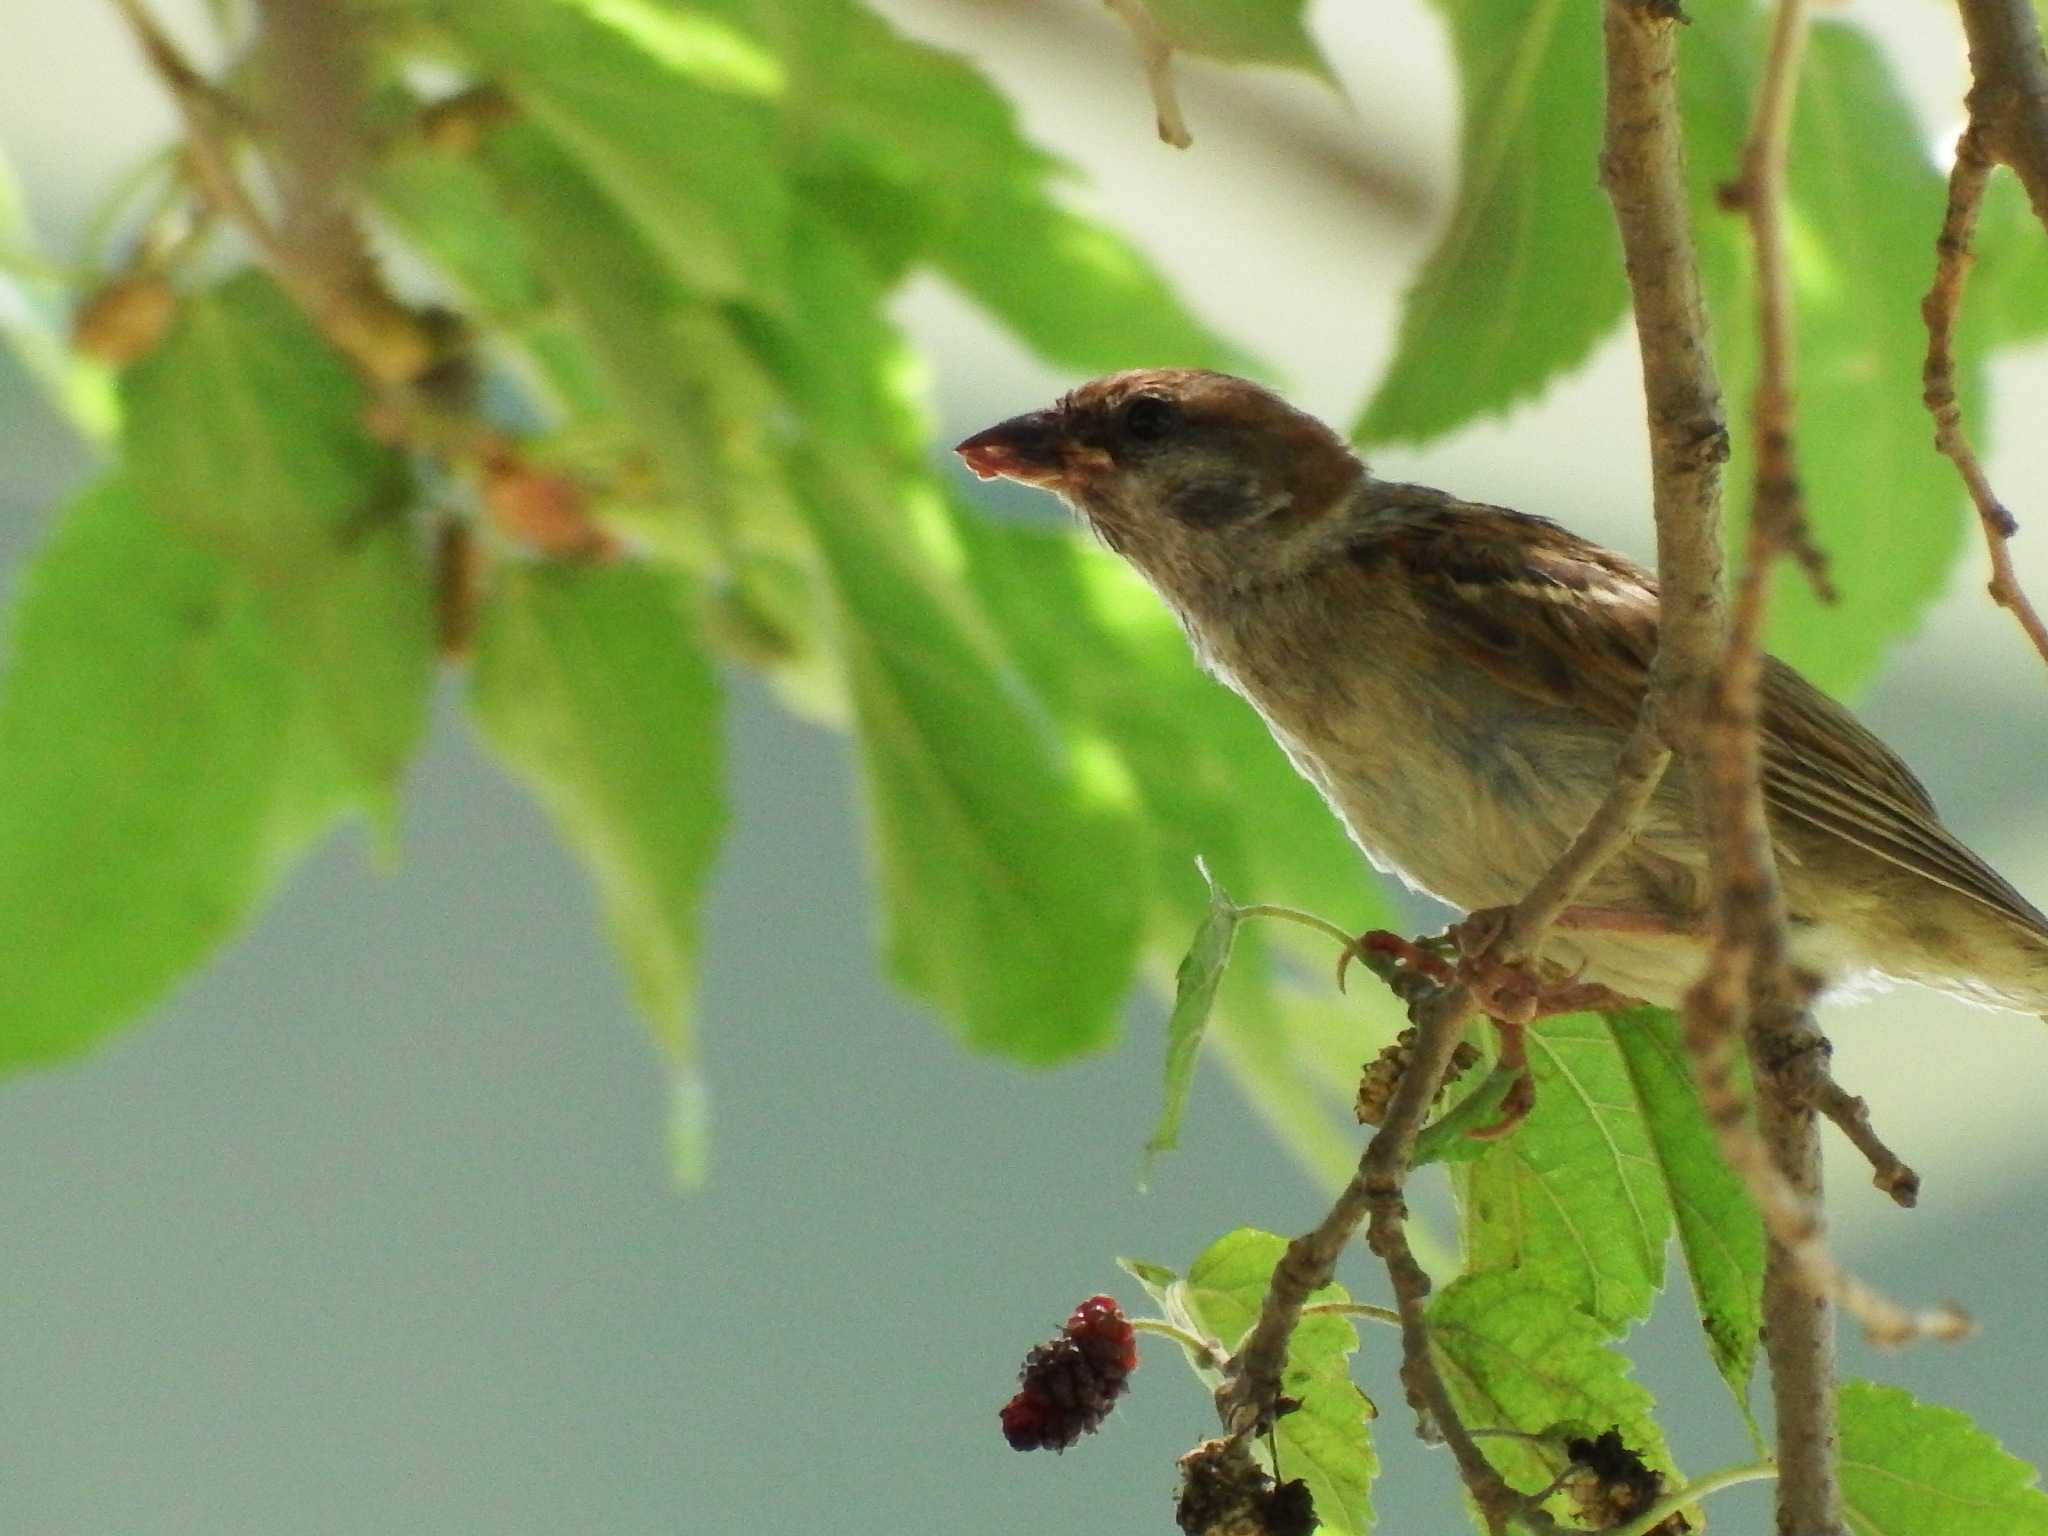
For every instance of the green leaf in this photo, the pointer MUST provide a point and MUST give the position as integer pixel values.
(444, 205)
(1200, 974)
(360, 637)
(678, 137)
(2006, 301)
(1515, 1355)
(1266, 32)
(159, 764)
(1326, 1442)
(245, 430)
(1864, 206)
(915, 154)
(1912, 1469)
(1526, 277)
(1720, 1232)
(1575, 1195)
(1009, 858)
(590, 687)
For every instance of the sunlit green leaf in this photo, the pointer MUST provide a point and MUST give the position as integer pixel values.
(1865, 203)
(916, 154)
(1575, 1195)
(671, 132)
(1515, 1355)
(1009, 859)
(1912, 1469)
(244, 429)
(1720, 1233)
(590, 687)
(159, 763)
(1526, 276)
(1327, 1442)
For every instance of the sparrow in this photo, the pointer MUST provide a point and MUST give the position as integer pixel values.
(1457, 680)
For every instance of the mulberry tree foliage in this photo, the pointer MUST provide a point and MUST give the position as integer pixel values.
(573, 375)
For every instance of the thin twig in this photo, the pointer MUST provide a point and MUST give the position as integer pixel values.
(1155, 52)
(1888, 1171)
(1940, 309)
(318, 253)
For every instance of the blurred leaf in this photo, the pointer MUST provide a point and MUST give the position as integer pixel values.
(444, 205)
(1517, 1356)
(1526, 277)
(670, 361)
(1263, 32)
(360, 639)
(1865, 203)
(1720, 1232)
(681, 138)
(915, 153)
(1576, 1194)
(1912, 1469)
(82, 390)
(1200, 974)
(1326, 1442)
(156, 772)
(591, 688)
(2007, 297)
(1009, 858)
(245, 430)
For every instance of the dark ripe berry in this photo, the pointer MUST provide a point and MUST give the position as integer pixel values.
(1069, 1383)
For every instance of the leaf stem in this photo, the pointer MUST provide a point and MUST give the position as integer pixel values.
(1295, 915)
(1672, 1503)
(1202, 1349)
(1385, 1315)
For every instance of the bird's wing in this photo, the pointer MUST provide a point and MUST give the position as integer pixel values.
(1562, 620)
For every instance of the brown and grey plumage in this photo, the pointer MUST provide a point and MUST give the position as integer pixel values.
(1457, 680)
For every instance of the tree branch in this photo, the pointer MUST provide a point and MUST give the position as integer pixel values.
(2008, 100)
(1940, 310)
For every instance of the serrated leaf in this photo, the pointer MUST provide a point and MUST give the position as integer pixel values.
(1515, 1355)
(591, 688)
(245, 430)
(1720, 1232)
(1527, 276)
(1575, 1195)
(1326, 1442)
(1195, 986)
(919, 155)
(159, 763)
(682, 144)
(1009, 858)
(1264, 32)
(1913, 1469)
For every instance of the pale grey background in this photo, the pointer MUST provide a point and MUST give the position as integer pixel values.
(369, 1229)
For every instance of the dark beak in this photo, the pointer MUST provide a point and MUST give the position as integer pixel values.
(1026, 448)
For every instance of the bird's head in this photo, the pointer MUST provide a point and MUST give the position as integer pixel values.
(1203, 481)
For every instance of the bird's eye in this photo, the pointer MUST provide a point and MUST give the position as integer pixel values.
(1149, 418)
